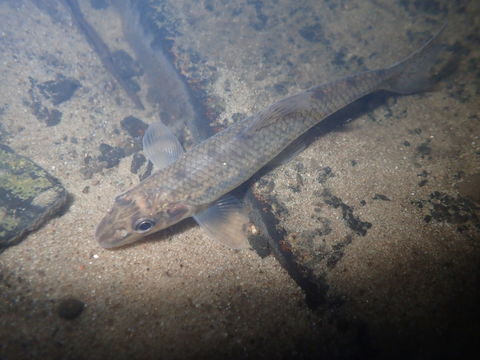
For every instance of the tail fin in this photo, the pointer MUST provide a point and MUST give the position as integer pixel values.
(415, 73)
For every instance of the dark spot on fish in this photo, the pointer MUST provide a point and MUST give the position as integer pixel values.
(123, 201)
(354, 162)
(176, 211)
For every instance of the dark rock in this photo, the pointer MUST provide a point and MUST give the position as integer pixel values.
(424, 149)
(70, 309)
(134, 126)
(59, 90)
(380, 197)
(137, 162)
(324, 174)
(111, 155)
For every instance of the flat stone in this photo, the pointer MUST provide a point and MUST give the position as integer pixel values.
(29, 196)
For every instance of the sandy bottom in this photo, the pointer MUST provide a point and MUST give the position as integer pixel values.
(409, 282)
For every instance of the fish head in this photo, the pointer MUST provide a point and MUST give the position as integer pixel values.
(135, 215)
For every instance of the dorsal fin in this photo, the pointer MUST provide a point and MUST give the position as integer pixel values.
(276, 112)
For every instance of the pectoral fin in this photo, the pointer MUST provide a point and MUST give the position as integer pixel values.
(160, 145)
(226, 221)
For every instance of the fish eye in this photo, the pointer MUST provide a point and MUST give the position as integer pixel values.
(143, 225)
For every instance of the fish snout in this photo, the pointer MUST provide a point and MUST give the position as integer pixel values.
(109, 236)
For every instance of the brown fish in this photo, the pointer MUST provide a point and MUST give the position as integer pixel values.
(189, 183)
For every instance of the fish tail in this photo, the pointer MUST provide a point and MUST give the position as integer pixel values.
(416, 72)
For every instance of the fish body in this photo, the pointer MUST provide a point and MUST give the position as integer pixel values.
(221, 163)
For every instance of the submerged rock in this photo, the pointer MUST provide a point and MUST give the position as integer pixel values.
(29, 196)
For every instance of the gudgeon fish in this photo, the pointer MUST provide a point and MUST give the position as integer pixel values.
(197, 183)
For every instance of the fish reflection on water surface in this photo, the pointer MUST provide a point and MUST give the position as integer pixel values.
(197, 183)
